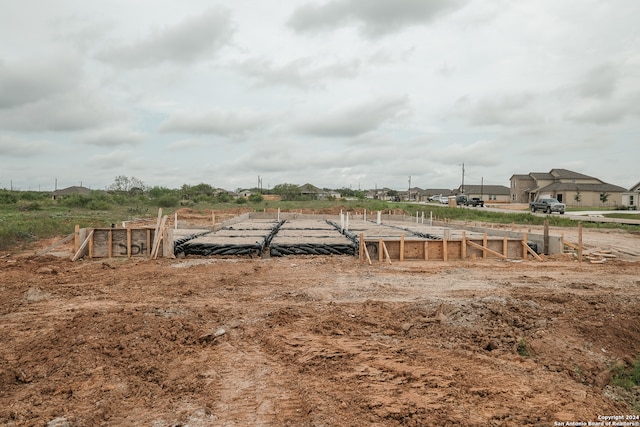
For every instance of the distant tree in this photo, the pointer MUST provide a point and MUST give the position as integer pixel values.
(157, 192)
(604, 197)
(578, 196)
(287, 191)
(126, 184)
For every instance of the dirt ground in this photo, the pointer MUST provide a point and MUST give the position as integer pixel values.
(317, 341)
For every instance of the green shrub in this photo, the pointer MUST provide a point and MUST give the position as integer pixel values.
(75, 201)
(98, 205)
(7, 198)
(256, 198)
(167, 201)
(25, 206)
(241, 201)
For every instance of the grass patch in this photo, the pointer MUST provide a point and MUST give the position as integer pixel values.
(28, 216)
(627, 378)
(522, 348)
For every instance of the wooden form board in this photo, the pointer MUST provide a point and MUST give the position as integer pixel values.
(476, 248)
(123, 242)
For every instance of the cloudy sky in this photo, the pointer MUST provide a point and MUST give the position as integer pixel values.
(338, 93)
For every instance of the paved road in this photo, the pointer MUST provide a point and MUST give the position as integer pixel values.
(585, 216)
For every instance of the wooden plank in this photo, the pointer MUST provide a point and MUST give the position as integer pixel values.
(149, 241)
(426, 250)
(91, 243)
(505, 247)
(485, 249)
(82, 247)
(484, 244)
(366, 252)
(402, 247)
(380, 250)
(110, 244)
(156, 236)
(55, 245)
(444, 249)
(361, 246)
(579, 242)
(524, 246)
(386, 252)
(156, 248)
(76, 243)
(527, 249)
(463, 250)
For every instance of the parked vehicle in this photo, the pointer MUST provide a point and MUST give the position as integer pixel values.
(444, 200)
(461, 200)
(547, 205)
(475, 202)
(435, 198)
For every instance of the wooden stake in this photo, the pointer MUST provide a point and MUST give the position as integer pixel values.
(110, 243)
(505, 247)
(524, 246)
(484, 244)
(91, 246)
(361, 247)
(545, 244)
(464, 245)
(580, 242)
(444, 249)
(156, 235)
(426, 250)
(402, 247)
(76, 243)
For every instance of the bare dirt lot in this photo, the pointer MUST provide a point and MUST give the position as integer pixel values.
(316, 341)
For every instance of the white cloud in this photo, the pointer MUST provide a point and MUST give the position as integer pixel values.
(17, 147)
(355, 120)
(374, 17)
(111, 137)
(193, 39)
(219, 122)
(26, 81)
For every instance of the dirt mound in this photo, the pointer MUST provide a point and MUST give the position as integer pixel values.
(314, 341)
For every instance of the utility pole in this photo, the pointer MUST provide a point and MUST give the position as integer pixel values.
(462, 179)
(409, 196)
(482, 188)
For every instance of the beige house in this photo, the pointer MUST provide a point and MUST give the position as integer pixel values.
(486, 193)
(631, 198)
(570, 188)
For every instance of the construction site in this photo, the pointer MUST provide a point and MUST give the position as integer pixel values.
(321, 319)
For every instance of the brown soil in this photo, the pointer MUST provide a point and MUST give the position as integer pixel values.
(314, 341)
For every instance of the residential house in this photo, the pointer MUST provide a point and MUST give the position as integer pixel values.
(386, 194)
(570, 188)
(83, 191)
(315, 193)
(486, 193)
(631, 198)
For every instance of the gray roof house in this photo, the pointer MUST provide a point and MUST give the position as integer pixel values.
(569, 187)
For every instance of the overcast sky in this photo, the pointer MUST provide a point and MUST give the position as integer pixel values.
(338, 93)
